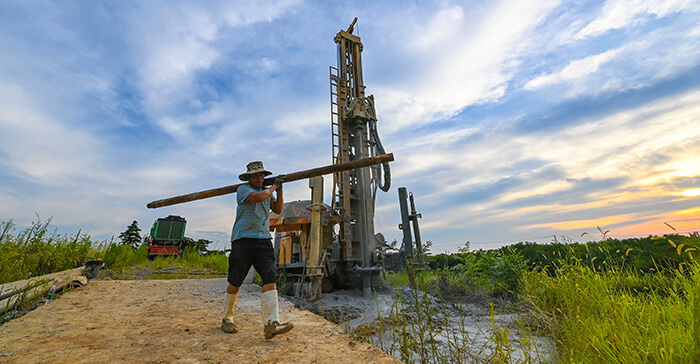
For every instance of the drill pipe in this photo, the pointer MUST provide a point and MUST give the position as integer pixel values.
(290, 177)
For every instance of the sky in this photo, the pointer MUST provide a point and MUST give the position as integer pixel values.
(509, 121)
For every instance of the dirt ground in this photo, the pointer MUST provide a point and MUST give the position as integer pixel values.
(171, 321)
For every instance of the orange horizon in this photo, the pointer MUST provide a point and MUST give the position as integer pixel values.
(676, 222)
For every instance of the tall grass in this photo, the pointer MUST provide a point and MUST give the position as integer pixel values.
(194, 260)
(629, 301)
(475, 273)
(120, 257)
(619, 315)
(37, 251)
(190, 264)
(423, 329)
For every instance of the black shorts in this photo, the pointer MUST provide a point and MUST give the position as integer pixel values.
(248, 252)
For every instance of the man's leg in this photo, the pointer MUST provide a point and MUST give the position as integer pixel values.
(227, 324)
(238, 265)
(264, 264)
(270, 312)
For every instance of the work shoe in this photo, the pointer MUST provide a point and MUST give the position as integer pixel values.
(275, 328)
(228, 326)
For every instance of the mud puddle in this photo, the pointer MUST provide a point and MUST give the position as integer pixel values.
(416, 327)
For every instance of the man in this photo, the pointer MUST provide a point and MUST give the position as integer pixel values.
(251, 244)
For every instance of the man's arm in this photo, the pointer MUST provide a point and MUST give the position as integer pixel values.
(276, 204)
(261, 196)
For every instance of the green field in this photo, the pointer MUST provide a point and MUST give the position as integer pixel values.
(614, 301)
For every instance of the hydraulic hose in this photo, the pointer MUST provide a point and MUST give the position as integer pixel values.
(380, 148)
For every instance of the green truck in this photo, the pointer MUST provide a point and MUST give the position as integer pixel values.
(167, 236)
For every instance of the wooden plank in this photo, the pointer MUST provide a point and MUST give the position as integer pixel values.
(60, 280)
(295, 176)
(10, 289)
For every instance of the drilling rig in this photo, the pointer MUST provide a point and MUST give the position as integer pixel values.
(354, 133)
(336, 244)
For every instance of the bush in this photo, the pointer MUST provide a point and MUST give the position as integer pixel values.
(119, 257)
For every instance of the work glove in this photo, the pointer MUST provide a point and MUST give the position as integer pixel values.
(279, 180)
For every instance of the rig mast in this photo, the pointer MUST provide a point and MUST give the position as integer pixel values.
(354, 134)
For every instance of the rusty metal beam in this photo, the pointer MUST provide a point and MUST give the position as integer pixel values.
(295, 176)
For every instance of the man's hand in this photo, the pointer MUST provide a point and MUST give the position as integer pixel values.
(279, 180)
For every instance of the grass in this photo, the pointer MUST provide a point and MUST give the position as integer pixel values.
(192, 259)
(423, 329)
(612, 302)
(190, 265)
(478, 275)
(119, 258)
(37, 251)
(623, 302)
(619, 316)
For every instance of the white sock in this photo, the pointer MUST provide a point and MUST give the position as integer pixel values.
(269, 306)
(229, 303)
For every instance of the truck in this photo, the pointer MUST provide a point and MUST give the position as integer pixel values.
(167, 236)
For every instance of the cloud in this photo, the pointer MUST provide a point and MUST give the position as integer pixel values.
(304, 123)
(182, 41)
(643, 55)
(587, 224)
(617, 14)
(574, 70)
(499, 117)
(175, 44)
(467, 60)
(598, 166)
(661, 56)
(39, 148)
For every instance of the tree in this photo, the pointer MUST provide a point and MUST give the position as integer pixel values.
(200, 246)
(427, 246)
(464, 249)
(131, 236)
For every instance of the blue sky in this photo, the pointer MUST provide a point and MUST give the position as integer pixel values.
(508, 120)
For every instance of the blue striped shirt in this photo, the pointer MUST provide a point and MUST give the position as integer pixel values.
(252, 218)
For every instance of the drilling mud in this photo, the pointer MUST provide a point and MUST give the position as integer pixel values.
(416, 327)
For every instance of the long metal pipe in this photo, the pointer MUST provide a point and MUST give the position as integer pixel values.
(365, 237)
(295, 176)
(414, 216)
(405, 225)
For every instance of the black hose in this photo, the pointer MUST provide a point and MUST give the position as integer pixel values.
(380, 148)
(385, 166)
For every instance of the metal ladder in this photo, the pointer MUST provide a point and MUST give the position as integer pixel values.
(337, 202)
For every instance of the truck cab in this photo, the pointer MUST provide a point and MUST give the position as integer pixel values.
(167, 236)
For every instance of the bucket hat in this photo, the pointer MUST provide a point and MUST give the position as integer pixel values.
(252, 168)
